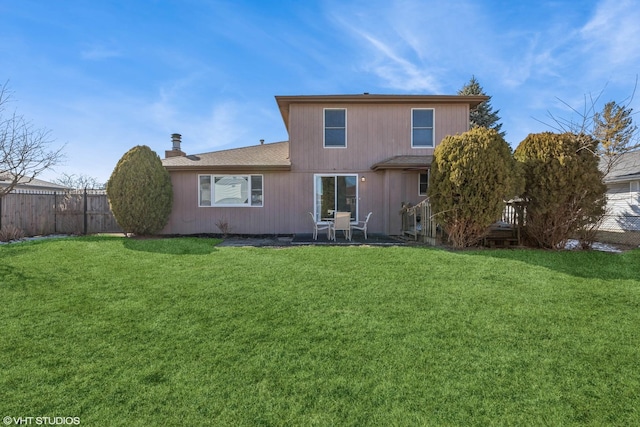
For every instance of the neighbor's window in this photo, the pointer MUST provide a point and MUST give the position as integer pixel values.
(423, 184)
(231, 190)
(422, 127)
(634, 187)
(335, 127)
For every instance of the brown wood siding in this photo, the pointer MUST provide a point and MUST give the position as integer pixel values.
(374, 133)
(287, 198)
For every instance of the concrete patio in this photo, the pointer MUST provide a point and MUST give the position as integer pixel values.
(307, 239)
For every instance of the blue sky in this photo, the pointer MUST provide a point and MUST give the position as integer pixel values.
(105, 76)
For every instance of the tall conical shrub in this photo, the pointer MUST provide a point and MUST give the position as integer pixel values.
(140, 192)
(564, 190)
(472, 175)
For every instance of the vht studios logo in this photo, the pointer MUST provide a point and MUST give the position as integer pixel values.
(43, 421)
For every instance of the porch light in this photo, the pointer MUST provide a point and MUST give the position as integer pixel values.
(363, 179)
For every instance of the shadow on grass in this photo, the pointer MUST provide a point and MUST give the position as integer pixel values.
(12, 249)
(12, 277)
(174, 246)
(586, 264)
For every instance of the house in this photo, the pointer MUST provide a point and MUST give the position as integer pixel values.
(34, 184)
(354, 153)
(623, 194)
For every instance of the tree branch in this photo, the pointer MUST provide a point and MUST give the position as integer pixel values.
(24, 149)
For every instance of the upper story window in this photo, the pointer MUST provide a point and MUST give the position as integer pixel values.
(422, 127)
(335, 127)
(230, 190)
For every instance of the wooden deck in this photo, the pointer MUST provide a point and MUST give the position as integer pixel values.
(502, 236)
(418, 223)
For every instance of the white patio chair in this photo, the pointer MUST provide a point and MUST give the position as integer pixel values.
(342, 223)
(319, 227)
(362, 225)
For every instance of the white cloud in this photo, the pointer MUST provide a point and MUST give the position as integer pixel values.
(98, 52)
(611, 36)
(223, 127)
(381, 50)
(432, 46)
(397, 71)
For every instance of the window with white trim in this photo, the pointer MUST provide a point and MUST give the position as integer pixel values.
(422, 127)
(230, 190)
(634, 189)
(335, 193)
(335, 128)
(423, 183)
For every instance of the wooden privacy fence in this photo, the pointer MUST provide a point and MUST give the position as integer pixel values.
(58, 212)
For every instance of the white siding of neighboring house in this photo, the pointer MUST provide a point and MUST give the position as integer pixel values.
(623, 206)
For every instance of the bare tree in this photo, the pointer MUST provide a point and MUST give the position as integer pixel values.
(79, 181)
(612, 127)
(24, 148)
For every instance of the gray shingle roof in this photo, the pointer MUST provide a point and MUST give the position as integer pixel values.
(34, 184)
(404, 162)
(273, 156)
(627, 168)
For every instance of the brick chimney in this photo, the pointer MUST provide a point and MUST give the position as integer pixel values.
(175, 151)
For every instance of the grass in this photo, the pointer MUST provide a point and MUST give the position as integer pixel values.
(181, 332)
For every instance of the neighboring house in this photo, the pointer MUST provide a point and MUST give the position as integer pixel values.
(623, 193)
(24, 184)
(355, 153)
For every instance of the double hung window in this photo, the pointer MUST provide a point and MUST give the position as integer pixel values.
(335, 127)
(422, 128)
(230, 190)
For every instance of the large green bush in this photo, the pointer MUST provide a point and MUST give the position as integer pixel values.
(140, 192)
(564, 191)
(472, 175)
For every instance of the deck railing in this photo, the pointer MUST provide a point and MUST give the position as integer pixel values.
(418, 222)
(514, 213)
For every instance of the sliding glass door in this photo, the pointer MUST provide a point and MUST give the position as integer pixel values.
(336, 193)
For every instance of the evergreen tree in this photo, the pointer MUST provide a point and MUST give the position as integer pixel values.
(140, 192)
(472, 175)
(564, 192)
(483, 115)
(614, 130)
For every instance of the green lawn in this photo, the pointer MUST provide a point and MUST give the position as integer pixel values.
(129, 332)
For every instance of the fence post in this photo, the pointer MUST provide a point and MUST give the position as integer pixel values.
(55, 212)
(85, 212)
